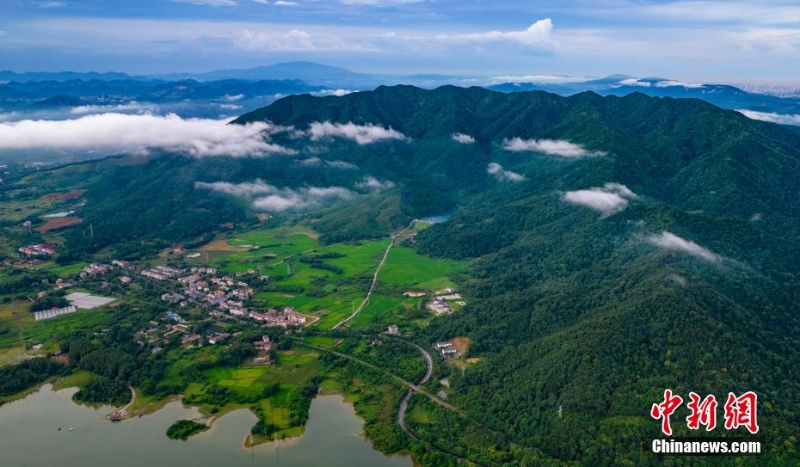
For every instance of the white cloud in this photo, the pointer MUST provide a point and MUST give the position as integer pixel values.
(230, 106)
(550, 147)
(121, 108)
(782, 119)
(504, 175)
(266, 197)
(342, 165)
(208, 2)
(114, 132)
(361, 134)
(538, 35)
(610, 199)
(379, 2)
(371, 183)
(635, 82)
(284, 3)
(50, 5)
(235, 98)
(462, 138)
(537, 79)
(673, 242)
(315, 161)
(296, 40)
(332, 92)
(671, 83)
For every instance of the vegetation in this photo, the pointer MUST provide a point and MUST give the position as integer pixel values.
(183, 429)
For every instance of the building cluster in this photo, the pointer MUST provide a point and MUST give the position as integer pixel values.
(284, 318)
(96, 268)
(263, 346)
(447, 349)
(37, 250)
(161, 273)
(439, 303)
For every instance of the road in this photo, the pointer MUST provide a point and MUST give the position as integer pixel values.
(374, 278)
(401, 414)
(408, 384)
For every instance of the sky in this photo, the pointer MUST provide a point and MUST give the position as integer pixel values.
(705, 41)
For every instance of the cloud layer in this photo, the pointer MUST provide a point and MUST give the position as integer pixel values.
(504, 175)
(610, 199)
(114, 132)
(782, 119)
(266, 197)
(550, 147)
(673, 242)
(361, 134)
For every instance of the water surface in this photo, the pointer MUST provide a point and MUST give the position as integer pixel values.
(29, 436)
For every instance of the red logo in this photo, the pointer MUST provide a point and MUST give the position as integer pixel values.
(665, 409)
(703, 413)
(740, 411)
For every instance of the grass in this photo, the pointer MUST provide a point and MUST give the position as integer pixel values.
(405, 267)
(381, 308)
(68, 270)
(77, 379)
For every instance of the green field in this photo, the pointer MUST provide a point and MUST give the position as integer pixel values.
(405, 267)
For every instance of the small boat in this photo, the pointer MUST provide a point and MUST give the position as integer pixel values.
(72, 429)
(59, 429)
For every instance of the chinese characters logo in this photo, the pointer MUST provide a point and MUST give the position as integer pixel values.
(739, 411)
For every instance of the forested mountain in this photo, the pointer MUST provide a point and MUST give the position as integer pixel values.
(689, 283)
(618, 246)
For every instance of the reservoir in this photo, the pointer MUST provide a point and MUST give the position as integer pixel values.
(29, 437)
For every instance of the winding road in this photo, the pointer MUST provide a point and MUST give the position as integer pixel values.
(401, 414)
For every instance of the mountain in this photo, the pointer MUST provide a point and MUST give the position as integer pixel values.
(6, 75)
(693, 287)
(617, 247)
(722, 95)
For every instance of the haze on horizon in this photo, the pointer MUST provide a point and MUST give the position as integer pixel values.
(708, 41)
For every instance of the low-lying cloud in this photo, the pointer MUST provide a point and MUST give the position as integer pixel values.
(132, 107)
(266, 197)
(673, 242)
(660, 84)
(361, 134)
(115, 132)
(610, 199)
(332, 92)
(371, 183)
(462, 138)
(782, 119)
(503, 175)
(550, 147)
(316, 161)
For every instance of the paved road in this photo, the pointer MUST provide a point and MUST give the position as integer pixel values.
(401, 414)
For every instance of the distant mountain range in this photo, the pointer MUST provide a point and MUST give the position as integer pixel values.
(253, 84)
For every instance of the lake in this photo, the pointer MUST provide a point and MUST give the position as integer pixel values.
(29, 436)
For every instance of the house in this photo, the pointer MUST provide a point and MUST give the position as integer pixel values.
(447, 349)
(393, 330)
(218, 337)
(263, 345)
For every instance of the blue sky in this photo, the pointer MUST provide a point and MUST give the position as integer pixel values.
(721, 41)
